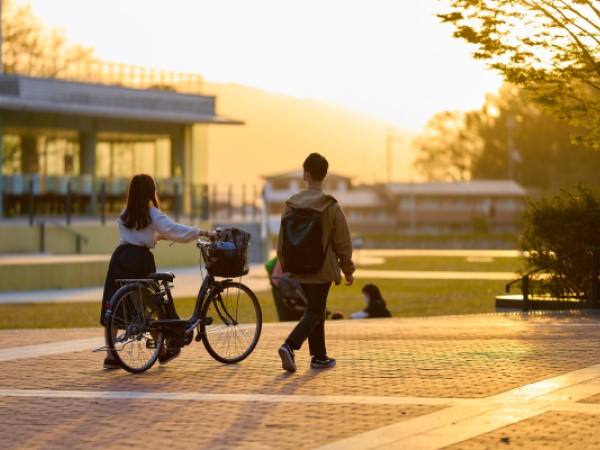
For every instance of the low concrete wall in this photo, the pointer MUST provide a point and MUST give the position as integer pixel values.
(23, 268)
(54, 274)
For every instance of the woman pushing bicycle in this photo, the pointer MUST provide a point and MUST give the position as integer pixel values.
(141, 225)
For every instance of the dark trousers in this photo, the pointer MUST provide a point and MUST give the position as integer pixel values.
(312, 324)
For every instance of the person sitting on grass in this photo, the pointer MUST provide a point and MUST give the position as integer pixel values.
(375, 304)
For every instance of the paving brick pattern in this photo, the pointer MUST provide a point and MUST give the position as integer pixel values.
(16, 338)
(554, 430)
(444, 357)
(211, 425)
(470, 357)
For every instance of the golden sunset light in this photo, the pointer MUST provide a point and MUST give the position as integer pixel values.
(345, 71)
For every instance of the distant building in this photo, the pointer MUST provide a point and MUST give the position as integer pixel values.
(458, 207)
(364, 207)
(427, 208)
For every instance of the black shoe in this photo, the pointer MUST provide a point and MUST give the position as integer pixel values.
(110, 364)
(322, 363)
(287, 358)
(169, 356)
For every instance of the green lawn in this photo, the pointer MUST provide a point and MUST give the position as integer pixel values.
(407, 298)
(445, 263)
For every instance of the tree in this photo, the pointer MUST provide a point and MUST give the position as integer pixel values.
(549, 47)
(29, 49)
(509, 137)
(447, 147)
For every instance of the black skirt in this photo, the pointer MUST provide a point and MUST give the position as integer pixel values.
(127, 261)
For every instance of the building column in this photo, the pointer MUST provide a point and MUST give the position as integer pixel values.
(188, 160)
(87, 170)
(177, 169)
(1, 179)
(29, 154)
(198, 157)
(177, 154)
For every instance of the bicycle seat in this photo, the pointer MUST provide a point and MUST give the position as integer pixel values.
(162, 276)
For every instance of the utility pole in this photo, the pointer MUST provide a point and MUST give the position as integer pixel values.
(1, 67)
(1, 153)
(389, 156)
(512, 153)
(391, 137)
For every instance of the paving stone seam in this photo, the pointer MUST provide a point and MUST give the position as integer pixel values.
(199, 396)
(51, 348)
(462, 422)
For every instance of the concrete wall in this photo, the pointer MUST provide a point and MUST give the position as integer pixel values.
(98, 240)
(23, 268)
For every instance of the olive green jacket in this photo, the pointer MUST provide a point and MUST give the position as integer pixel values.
(335, 231)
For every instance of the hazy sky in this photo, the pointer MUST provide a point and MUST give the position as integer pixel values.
(389, 58)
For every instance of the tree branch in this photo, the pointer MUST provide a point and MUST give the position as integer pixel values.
(582, 47)
(577, 13)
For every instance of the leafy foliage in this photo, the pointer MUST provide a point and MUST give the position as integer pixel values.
(29, 49)
(509, 137)
(447, 147)
(549, 47)
(560, 234)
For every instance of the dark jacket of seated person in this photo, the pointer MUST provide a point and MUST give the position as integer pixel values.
(376, 306)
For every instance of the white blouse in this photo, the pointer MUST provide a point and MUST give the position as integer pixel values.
(161, 227)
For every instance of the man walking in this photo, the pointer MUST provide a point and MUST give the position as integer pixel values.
(314, 245)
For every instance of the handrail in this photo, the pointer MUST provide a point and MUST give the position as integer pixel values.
(78, 236)
(546, 267)
(595, 269)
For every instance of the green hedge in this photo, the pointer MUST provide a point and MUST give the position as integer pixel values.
(561, 233)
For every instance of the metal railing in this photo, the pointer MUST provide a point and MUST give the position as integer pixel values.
(79, 238)
(111, 73)
(204, 202)
(526, 279)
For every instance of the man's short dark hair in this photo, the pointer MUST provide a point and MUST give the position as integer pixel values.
(316, 165)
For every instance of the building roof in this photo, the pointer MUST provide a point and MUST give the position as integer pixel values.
(460, 188)
(295, 174)
(360, 197)
(49, 95)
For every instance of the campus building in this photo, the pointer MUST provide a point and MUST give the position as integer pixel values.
(72, 136)
(411, 208)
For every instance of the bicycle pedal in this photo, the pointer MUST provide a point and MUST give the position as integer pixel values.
(208, 321)
(150, 344)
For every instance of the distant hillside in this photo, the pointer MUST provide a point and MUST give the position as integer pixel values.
(281, 130)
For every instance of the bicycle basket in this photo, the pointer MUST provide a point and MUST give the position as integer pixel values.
(226, 260)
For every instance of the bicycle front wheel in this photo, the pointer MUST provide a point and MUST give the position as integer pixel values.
(128, 334)
(235, 322)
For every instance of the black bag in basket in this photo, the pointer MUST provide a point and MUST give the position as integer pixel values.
(229, 257)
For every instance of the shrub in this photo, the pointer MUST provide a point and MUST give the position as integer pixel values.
(560, 234)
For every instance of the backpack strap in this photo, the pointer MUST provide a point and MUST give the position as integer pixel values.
(331, 232)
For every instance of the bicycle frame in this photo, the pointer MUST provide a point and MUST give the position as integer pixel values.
(209, 284)
(217, 317)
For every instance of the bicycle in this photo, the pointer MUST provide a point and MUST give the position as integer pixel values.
(141, 319)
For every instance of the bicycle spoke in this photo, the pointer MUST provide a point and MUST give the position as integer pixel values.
(236, 326)
(131, 335)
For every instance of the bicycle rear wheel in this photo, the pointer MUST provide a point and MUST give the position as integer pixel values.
(128, 334)
(236, 323)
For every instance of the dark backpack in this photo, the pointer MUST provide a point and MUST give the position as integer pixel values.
(302, 250)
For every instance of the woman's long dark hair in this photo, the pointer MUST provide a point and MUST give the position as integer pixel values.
(372, 291)
(142, 192)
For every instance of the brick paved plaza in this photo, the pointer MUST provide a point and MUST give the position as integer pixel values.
(462, 382)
